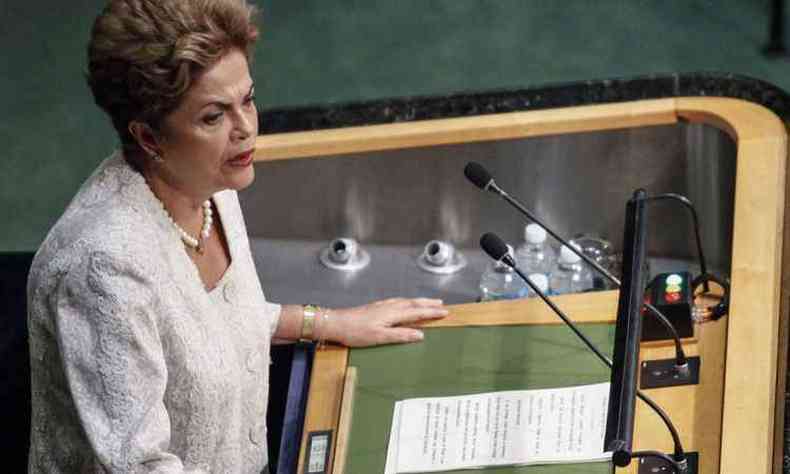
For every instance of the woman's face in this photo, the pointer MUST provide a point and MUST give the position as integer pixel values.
(208, 141)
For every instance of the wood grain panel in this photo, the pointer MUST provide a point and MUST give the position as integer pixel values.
(344, 423)
(695, 410)
(324, 397)
(784, 336)
(750, 397)
(464, 130)
(730, 417)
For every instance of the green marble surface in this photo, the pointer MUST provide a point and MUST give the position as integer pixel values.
(458, 361)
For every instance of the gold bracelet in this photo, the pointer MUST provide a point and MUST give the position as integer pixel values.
(324, 320)
(309, 312)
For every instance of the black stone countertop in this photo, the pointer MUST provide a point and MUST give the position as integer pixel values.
(469, 104)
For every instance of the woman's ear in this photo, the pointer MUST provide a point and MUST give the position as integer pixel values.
(145, 137)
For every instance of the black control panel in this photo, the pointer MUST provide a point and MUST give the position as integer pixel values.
(670, 293)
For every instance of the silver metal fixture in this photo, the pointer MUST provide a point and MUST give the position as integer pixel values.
(344, 254)
(441, 257)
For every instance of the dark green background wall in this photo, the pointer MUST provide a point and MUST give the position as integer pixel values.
(322, 51)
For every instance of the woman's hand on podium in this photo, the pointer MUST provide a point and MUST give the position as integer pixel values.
(380, 322)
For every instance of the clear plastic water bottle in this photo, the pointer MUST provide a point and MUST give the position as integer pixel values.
(535, 255)
(541, 281)
(601, 252)
(570, 275)
(500, 282)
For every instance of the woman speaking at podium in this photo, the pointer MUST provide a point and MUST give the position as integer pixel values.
(149, 330)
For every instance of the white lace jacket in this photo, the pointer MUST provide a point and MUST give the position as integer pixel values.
(135, 366)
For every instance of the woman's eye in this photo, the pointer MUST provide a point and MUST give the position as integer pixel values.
(212, 119)
(249, 100)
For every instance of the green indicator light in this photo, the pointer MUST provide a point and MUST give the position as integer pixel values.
(674, 279)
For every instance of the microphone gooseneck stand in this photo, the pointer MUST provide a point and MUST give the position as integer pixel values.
(497, 250)
(481, 178)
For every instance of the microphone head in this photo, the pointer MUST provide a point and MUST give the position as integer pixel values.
(478, 175)
(496, 248)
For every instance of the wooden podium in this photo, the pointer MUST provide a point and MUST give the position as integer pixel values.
(734, 417)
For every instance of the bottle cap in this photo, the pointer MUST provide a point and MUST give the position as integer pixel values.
(540, 280)
(568, 256)
(534, 234)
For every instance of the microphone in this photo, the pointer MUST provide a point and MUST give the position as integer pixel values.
(497, 250)
(480, 177)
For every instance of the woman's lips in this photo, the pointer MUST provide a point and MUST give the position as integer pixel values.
(243, 159)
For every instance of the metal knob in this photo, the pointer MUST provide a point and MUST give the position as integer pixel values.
(440, 257)
(438, 253)
(344, 254)
(342, 250)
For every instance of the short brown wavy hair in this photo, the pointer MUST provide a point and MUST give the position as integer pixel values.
(144, 55)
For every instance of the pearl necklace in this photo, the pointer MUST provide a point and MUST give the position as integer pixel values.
(197, 243)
